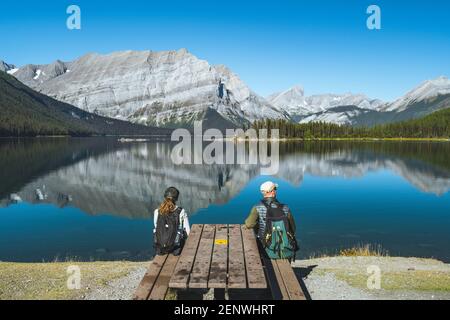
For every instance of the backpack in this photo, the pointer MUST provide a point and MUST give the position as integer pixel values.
(168, 236)
(279, 242)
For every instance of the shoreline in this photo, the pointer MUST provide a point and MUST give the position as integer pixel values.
(141, 138)
(338, 139)
(337, 277)
(87, 137)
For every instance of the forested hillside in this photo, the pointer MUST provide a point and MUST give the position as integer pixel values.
(25, 112)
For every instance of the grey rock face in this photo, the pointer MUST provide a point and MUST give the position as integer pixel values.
(169, 88)
(323, 107)
(5, 67)
(358, 109)
(175, 88)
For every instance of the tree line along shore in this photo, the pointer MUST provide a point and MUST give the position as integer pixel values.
(435, 126)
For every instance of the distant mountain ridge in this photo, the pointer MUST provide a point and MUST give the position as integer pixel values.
(25, 112)
(175, 88)
(166, 89)
(428, 90)
(357, 109)
(301, 107)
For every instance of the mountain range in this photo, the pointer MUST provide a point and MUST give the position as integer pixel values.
(165, 89)
(25, 112)
(175, 88)
(358, 109)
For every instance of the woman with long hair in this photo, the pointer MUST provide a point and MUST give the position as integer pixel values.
(171, 224)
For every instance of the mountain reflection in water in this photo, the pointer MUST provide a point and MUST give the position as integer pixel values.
(126, 179)
(342, 193)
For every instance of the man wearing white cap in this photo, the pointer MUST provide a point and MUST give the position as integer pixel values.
(270, 211)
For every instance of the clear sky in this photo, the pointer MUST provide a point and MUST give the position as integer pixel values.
(323, 45)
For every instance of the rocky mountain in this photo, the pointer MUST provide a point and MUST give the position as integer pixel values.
(311, 108)
(5, 67)
(345, 114)
(430, 96)
(166, 89)
(428, 91)
(293, 101)
(175, 88)
(25, 112)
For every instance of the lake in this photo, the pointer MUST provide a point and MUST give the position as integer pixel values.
(93, 198)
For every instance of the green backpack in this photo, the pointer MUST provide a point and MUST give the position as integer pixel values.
(278, 241)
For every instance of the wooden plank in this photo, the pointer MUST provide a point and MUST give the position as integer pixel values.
(236, 262)
(291, 283)
(278, 286)
(147, 283)
(219, 260)
(161, 286)
(253, 265)
(200, 271)
(180, 277)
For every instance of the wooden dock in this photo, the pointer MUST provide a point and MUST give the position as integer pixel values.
(218, 256)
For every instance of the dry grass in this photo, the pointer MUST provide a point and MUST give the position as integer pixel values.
(48, 281)
(360, 250)
(366, 250)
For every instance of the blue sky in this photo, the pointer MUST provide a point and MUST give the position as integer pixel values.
(323, 45)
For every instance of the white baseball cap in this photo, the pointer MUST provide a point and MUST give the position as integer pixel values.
(268, 186)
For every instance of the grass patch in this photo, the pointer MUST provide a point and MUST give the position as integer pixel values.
(359, 250)
(48, 281)
(366, 250)
(171, 295)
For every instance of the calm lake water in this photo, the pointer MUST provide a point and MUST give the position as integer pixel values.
(91, 199)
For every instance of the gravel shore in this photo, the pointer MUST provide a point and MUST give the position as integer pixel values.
(345, 278)
(337, 278)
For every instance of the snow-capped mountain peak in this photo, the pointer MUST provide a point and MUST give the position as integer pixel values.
(428, 89)
(358, 109)
(288, 97)
(175, 88)
(291, 101)
(300, 107)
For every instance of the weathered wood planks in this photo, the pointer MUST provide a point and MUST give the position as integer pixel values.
(150, 277)
(200, 271)
(236, 261)
(255, 272)
(161, 286)
(290, 281)
(219, 259)
(276, 282)
(219, 256)
(180, 277)
(283, 281)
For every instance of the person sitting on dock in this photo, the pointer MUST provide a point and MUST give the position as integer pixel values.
(171, 225)
(274, 224)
